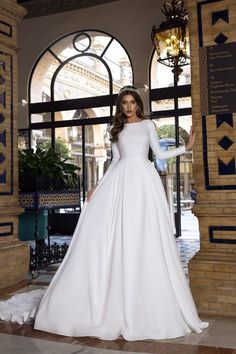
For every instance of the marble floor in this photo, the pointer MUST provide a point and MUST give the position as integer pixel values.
(219, 338)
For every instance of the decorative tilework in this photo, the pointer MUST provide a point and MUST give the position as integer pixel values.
(2, 65)
(221, 38)
(226, 168)
(58, 199)
(3, 99)
(224, 118)
(6, 123)
(225, 232)
(2, 80)
(50, 200)
(219, 15)
(3, 138)
(6, 229)
(5, 29)
(2, 158)
(3, 177)
(199, 15)
(212, 181)
(27, 200)
(225, 142)
(223, 169)
(203, 80)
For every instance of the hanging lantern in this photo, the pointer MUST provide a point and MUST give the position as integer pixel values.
(171, 37)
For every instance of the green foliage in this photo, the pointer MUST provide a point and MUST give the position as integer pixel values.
(44, 170)
(60, 147)
(166, 131)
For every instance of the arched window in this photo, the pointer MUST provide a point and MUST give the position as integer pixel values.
(170, 107)
(72, 90)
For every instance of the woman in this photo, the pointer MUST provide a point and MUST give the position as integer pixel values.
(122, 274)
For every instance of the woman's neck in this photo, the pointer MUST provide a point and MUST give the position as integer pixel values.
(133, 119)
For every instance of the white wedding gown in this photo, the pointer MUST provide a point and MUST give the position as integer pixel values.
(122, 274)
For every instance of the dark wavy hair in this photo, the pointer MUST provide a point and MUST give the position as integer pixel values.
(120, 118)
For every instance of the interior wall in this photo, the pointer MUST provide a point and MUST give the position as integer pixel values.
(129, 21)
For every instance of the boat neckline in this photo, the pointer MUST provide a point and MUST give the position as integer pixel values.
(136, 122)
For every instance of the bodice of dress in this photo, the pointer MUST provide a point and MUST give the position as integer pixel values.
(134, 142)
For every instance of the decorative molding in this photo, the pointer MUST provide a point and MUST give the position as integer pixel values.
(42, 7)
(12, 10)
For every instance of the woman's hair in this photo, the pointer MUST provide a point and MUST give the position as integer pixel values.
(120, 118)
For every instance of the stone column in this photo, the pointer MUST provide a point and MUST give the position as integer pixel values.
(212, 271)
(14, 255)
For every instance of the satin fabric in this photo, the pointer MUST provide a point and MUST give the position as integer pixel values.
(122, 274)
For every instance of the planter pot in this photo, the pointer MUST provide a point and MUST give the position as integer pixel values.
(41, 202)
(27, 225)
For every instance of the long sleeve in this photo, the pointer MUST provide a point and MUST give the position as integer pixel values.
(155, 145)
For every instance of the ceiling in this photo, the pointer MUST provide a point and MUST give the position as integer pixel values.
(36, 8)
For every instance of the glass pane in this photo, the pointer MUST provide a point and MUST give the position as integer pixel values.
(185, 102)
(167, 168)
(41, 79)
(83, 113)
(97, 153)
(120, 66)
(40, 117)
(65, 49)
(188, 193)
(82, 77)
(166, 134)
(162, 105)
(97, 150)
(23, 139)
(99, 42)
(68, 143)
(185, 77)
(41, 138)
(162, 76)
(113, 110)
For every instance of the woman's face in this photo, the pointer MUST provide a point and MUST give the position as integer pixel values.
(129, 106)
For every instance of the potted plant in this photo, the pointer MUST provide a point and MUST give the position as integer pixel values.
(46, 181)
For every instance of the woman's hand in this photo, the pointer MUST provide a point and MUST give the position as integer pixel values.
(191, 140)
(90, 192)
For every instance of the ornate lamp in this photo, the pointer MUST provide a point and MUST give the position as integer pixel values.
(171, 38)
